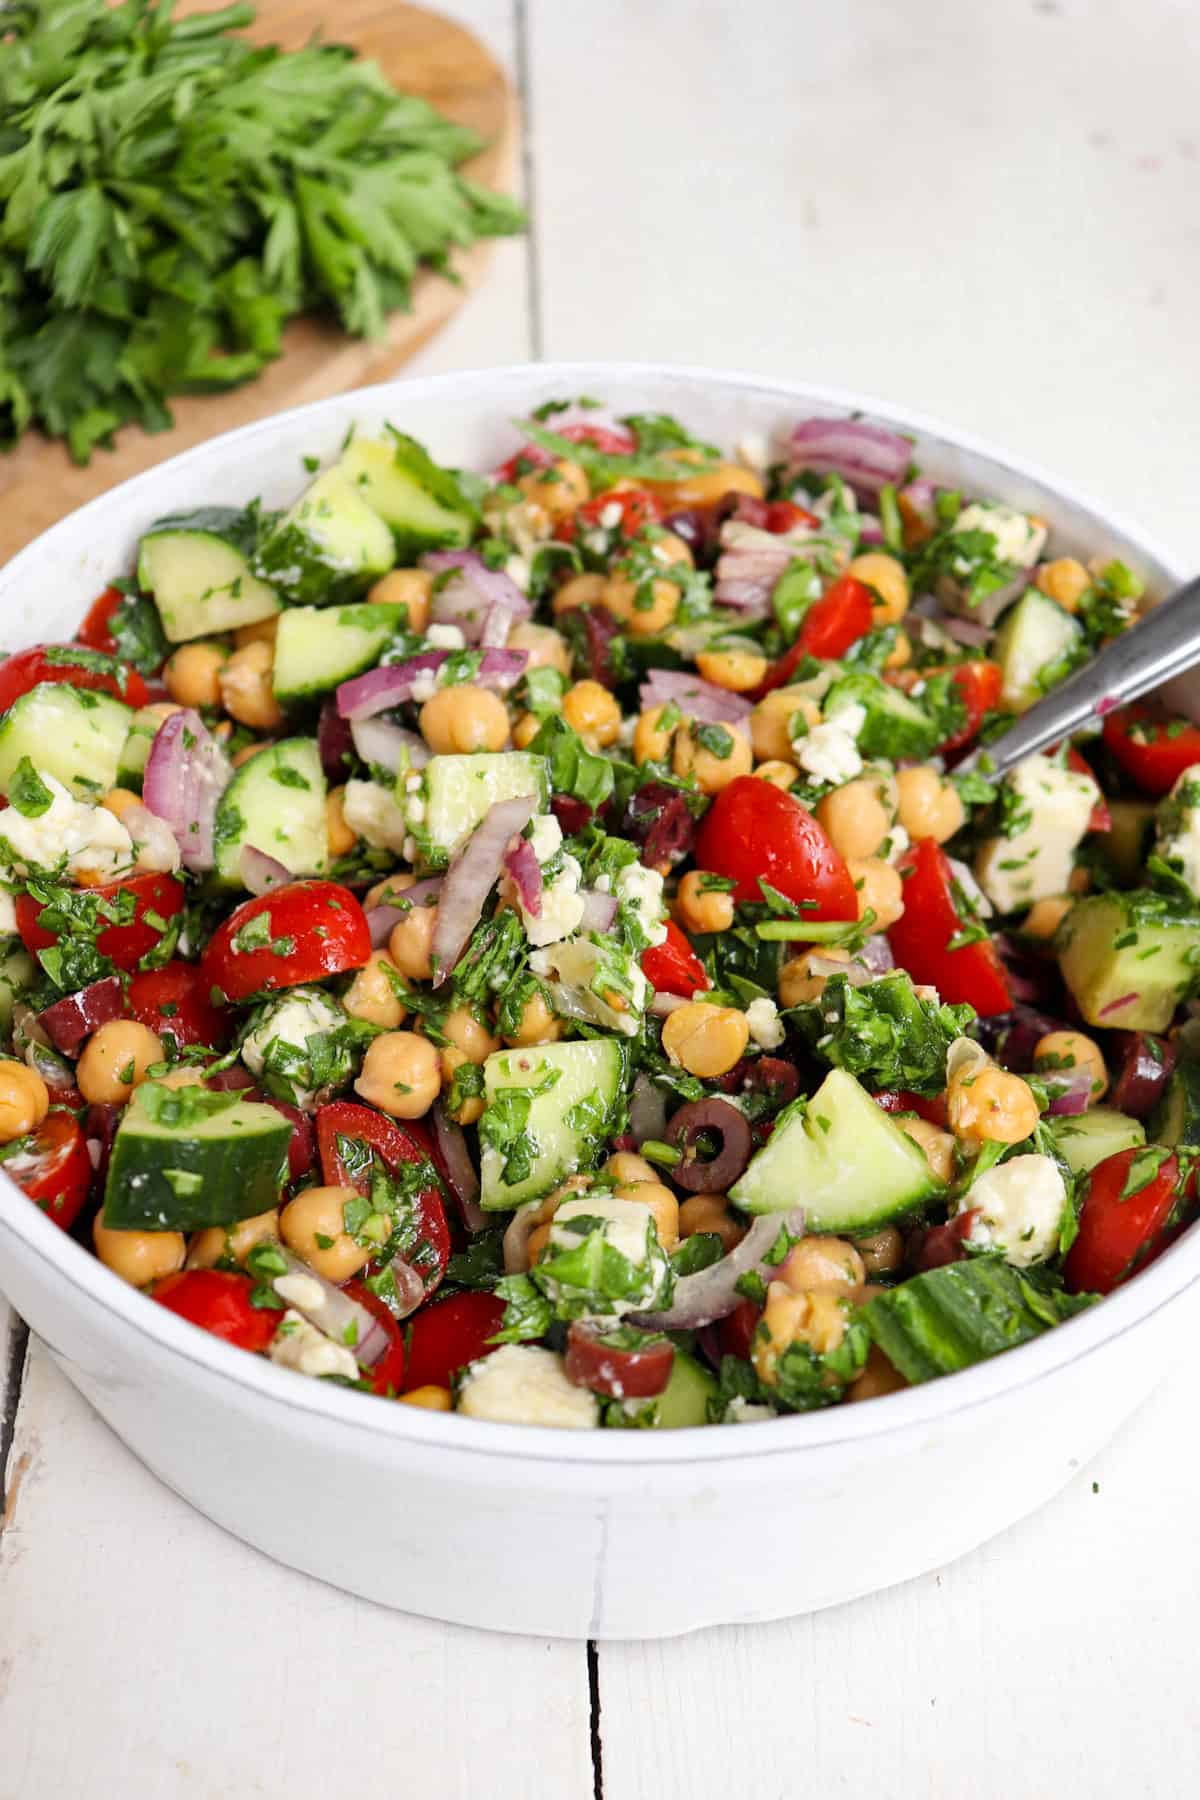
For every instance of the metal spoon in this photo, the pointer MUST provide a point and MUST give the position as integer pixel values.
(1165, 644)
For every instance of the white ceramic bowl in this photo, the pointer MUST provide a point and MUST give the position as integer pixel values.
(588, 1534)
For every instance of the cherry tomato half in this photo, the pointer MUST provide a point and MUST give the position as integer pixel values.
(386, 1375)
(174, 1001)
(45, 663)
(53, 1167)
(1152, 751)
(218, 1301)
(96, 630)
(933, 1111)
(838, 619)
(735, 1332)
(155, 901)
(754, 831)
(1119, 1230)
(445, 1337)
(425, 1243)
(311, 929)
(592, 1362)
(673, 967)
(979, 685)
(634, 508)
(972, 974)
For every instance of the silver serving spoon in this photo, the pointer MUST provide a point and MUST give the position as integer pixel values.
(1163, 645)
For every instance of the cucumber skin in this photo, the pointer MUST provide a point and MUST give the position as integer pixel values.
(546, 1124)
(237, 822)
(241, 1175)
(237, 530)
(335, 629)
(684, 1400)
(48, 716)
(305, 568)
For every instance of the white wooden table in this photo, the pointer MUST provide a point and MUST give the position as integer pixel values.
(987, 212)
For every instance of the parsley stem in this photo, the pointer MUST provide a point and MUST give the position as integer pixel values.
(655, 1151)
(808, 931)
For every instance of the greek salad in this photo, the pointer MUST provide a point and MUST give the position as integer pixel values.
(526, 944)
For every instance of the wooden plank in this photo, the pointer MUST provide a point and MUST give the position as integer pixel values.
(422, 51)
(976, 217)
(1056, 1660)
(196, 1669)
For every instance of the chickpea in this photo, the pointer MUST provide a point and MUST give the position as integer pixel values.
(118, 801)
(882, 1251)
(625, 1167)
(580, 590)
(987, 1104)
(470, 1108)
(371, 995)
(187, 1076)
(857, 817)
(263, 631)
(662, 1203)
(463, 718)
(705, 1040)
(1045, 916)
(525, 730)
(1065, 581)
(644, 611)
(879, 1377)
(314, 1226)
(429, 1397)
(797, 983)
(115, 1060)
(814, 1318)
(561, 489)
(401, 1074)
(879, 888)
(782, 775)
(469, 1034)
(192, 674)
(218, 1244)
(341, 838)
(822, 1265)
(545, 647)
(668, 547)
(771, 719)
(139, 1257)
(712, 772)
(886, 578)
(900, 654)
(928, 805)
(1062, 1051)
(24, 1100)
(937, 1147)
(592, 711)
(710, 1212)
(389, 892)
(700, 907)
(539, 1024)
(246, 692)
(736, 670)
(705, 486)
(248, 752)
(650, 742)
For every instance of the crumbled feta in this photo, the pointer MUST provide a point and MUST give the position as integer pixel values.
(1019, 1207)
(445, 637)
(610, 518)
(829, 751)
(642, 889)
(741, 1411)
(298, 1015)
(1177, 827)
(585, 979)
(561, 910)
(373, 815)
(522, 1384)
(1037, 860)
(8, 914)
(762, 1016)
(299, 1290)
(300, 1346)
(1019, 539)
(156, 848)
(896, 842)
(626, 1223)
(424, 685)
(545, 834)
(82, 836)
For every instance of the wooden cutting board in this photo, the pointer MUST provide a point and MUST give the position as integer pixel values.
(422, 53)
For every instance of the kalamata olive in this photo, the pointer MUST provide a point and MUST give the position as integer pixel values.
(714, 1174)
(1145, 1068)
(70, 1020)
(658, 818)
(335, 745)
(778, 1080)
(610, 1369)
(593, 629)
(1013, 1036)
(302, 1147)
(226, 1080)
(572, 814)
(941, 1244)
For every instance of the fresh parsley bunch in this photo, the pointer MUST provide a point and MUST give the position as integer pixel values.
(170, 195)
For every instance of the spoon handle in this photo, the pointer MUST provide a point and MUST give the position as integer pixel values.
(1164, 644)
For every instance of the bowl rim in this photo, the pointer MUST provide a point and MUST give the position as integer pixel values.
(914, 1408)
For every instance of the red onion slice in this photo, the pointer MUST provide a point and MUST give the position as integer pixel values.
(1070, 1090)
(921, 498)
(260, 872)
(869, 457)
(408, 1285)
(334, 742)
(382, 919)
(333, 1312)
(460, 1170)
(971, 632)
(70, 1020)
(386, 746)
(496, 627)
(382, 688)
(696, 698)
(712, 1294)
(599, 910)
(186, 774)
(520, 1229)
(750, 564)
(468, 597)
(473, 873)
(520, 859)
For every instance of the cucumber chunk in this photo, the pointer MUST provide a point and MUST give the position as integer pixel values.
(275, 802)
(17, 972)
(1126, 844)
(135, 751)
(684, 1400)
(197, 566)
(895, 726)
(1089, 1137)
(421, 503)
(530, 1142)
(1129, 959)
(182, 1168)
(1035, 635)
(1176, 1120)
(74, 734)
(459, 790)
(841, 1158)
(319, 647)
(326, 549)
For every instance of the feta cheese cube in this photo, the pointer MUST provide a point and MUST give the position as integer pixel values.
(1036, 860)
(1019, 1207)
(642, 889)
(1177, 827)
(445, 637)
(372, 813)
(300, 1346)
(762, 1016)
(523, 1384)
(1018, 538)
(69, 833)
